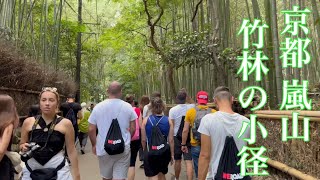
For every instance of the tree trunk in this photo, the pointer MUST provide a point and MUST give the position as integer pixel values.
(288, 69)
(270, 63)
(227, 23)
(316, 17)
(78, 52)
(276, 53)
(256, 14)
(173, 92)
(248, 10)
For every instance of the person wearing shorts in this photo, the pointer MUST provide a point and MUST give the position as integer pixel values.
(112, 166)
(176, 115)
(155, 167)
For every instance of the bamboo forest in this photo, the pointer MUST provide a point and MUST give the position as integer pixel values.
(265, 53)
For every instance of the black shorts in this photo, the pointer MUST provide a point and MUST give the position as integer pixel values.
(134, 146)
(178, 153)
(154, 168)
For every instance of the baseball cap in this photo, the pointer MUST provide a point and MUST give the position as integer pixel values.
(202, 97)
(83, 104)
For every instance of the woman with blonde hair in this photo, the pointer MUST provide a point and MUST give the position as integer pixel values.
(9, 120)
(42, 142)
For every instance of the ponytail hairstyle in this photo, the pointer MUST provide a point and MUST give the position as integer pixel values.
(157, 105)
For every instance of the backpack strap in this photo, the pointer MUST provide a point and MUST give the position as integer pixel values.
(36, 122)
(50, 130)
(119, 111)
(155, 119)
(197, 110)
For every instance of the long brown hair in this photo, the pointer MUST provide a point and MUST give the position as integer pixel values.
(8, 112)
(144, 101)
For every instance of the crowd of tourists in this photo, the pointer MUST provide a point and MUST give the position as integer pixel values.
(120, 130)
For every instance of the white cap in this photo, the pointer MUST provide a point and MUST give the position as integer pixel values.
(83, 104)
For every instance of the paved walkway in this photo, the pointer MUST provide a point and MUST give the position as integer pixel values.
(89, 168)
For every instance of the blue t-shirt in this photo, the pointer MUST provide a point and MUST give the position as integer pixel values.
(163, 125)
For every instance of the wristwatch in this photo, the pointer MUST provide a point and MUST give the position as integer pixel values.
(183, 145)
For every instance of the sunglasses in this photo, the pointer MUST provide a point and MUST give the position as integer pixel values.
(51, 89)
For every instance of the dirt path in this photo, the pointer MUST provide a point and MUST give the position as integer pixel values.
(89, 168)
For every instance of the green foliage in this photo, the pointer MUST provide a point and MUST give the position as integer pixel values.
(189, 48)
(119, 47)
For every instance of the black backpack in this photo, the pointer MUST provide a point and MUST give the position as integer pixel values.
(71, 116)
(114, 143)
(158, 148)
(228, 168)
(180, 130)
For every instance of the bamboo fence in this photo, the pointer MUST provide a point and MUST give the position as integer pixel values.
(293, 156)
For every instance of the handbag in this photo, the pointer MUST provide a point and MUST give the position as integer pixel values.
(45, 173)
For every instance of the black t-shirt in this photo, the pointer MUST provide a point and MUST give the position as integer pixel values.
(66, 106)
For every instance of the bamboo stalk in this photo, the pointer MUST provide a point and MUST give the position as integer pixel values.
(289, 170)
(279, 117)
(301, 113)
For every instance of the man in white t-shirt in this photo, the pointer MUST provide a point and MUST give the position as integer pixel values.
(112, 166)
(214, 128)
(146, 111)
(176, 114)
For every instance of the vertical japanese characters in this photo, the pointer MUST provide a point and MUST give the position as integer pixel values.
(295, 93)
(252, 63)
(295, 55)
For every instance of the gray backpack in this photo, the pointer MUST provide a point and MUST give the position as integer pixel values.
(200, 113)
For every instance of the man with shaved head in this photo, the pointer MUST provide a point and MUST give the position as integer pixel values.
(216, 130)
(112, 166)
(115, 89)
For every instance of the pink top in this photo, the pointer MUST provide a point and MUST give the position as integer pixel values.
(136, 135)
